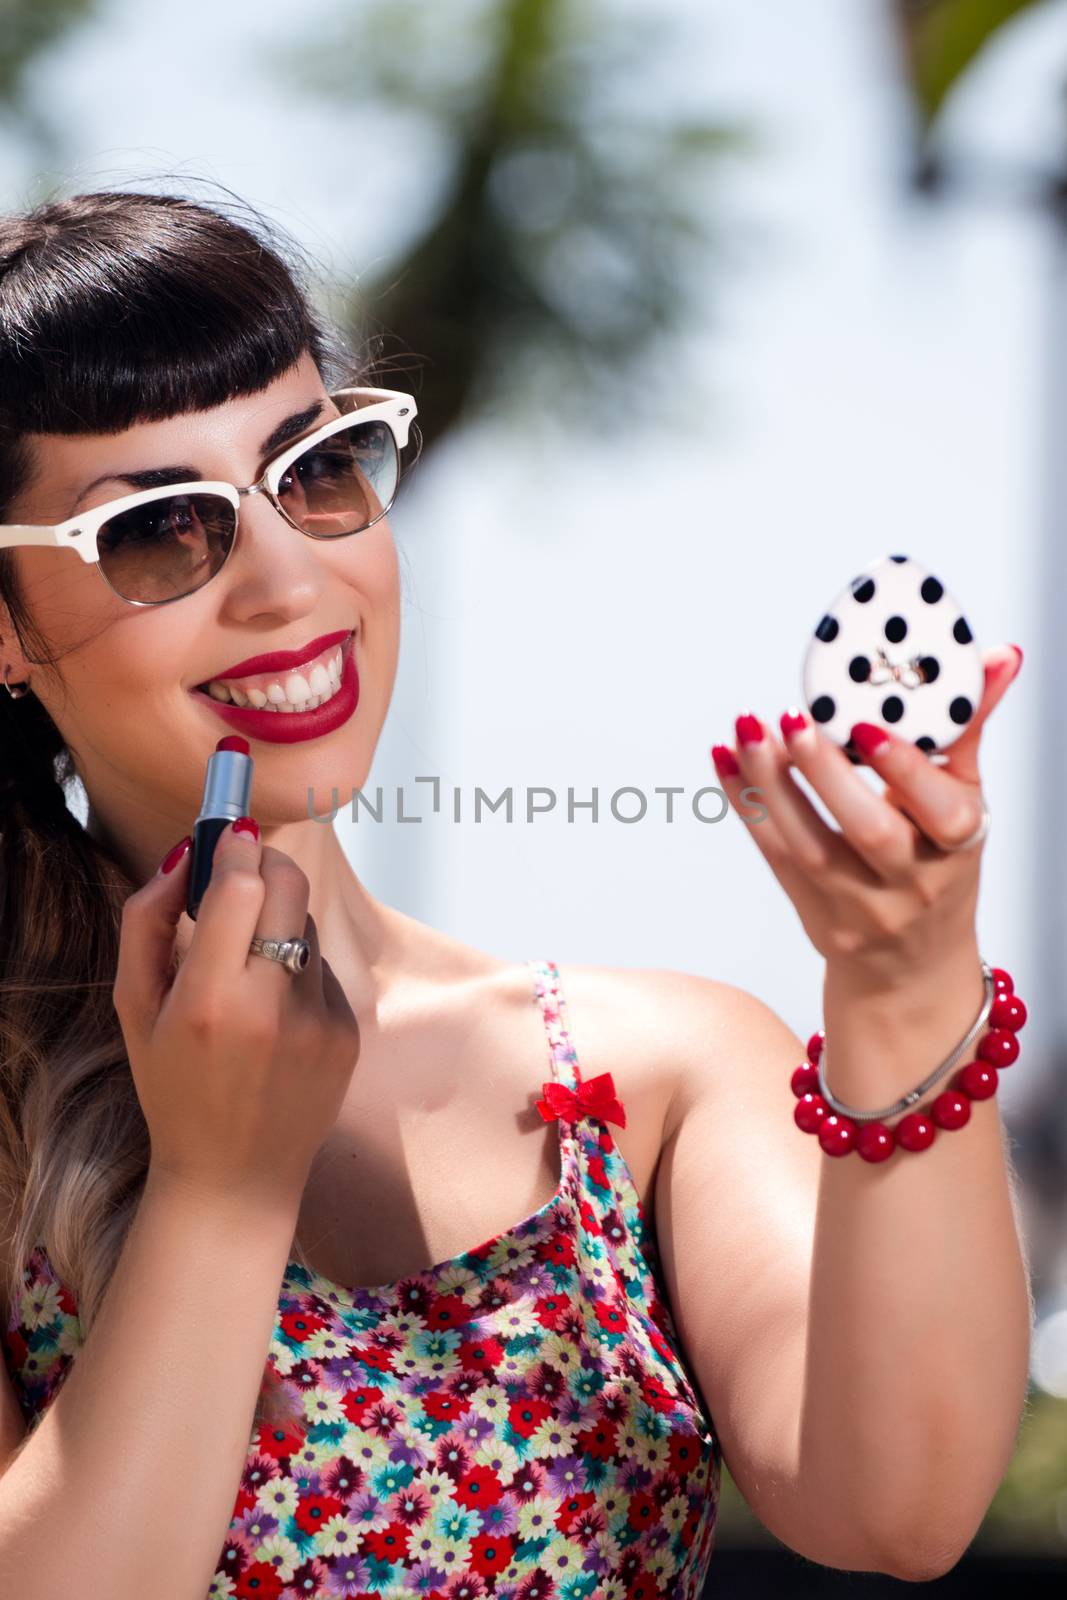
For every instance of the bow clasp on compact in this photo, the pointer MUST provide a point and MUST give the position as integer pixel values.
(908, 674)
(595, 1097)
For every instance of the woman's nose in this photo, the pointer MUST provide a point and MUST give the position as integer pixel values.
(273, 566)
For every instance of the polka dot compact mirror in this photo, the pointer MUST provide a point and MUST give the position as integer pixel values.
(894, 648)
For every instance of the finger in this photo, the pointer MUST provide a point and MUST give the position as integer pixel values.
(865, 842)
(753, 810)
(228, 912)
(943, 799)
(150, 916)
(312, 973)
(946, 816)
(1002, 667)
(334, 995)
(944, 802)
(945, 810)
(283, 915)
(875, 831)
(735, 772)
(308, 982)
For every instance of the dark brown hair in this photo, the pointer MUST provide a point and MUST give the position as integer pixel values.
(116, 307)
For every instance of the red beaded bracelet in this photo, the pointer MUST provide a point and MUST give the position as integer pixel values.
(838, 1134)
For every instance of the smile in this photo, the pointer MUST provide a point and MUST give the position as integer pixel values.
(312, 699)
(312, 685)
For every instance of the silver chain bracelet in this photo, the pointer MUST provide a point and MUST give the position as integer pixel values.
(917, 1093)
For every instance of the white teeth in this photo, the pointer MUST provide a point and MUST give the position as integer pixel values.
(296, 689)
(296, 693)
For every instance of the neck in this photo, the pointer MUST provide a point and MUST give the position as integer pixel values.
(360, 937)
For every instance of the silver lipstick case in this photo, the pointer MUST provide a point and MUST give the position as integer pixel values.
(227, 795)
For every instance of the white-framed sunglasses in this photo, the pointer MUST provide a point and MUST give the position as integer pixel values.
(158, 545)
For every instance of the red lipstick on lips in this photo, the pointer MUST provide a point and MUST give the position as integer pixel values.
(288, 727)
(283, 660)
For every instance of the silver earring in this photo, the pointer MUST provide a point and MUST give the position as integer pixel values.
(16, 690)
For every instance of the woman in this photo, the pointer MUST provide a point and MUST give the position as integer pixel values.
(272, 1327)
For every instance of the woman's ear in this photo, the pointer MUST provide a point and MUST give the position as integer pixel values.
(11, 655)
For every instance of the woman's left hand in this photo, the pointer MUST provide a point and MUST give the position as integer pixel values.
(891, 892)
(905, 1263)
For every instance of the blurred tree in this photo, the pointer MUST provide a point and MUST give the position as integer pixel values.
(941, 39)
(1029, 1511)
(27, 29)
(571, 222)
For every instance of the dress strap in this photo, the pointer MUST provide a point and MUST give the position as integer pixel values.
(569, 1096)
(549, 994)
(589, 1157)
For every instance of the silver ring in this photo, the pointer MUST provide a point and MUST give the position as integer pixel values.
(291, 953)
(976, 837)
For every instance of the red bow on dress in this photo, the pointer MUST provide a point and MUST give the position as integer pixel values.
(596, 1097)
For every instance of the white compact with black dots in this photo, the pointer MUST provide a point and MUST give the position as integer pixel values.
(894, 649)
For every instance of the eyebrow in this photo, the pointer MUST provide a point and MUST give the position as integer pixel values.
(158, 477)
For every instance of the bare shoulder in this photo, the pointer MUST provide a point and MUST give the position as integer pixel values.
(674, 1034)
(677, 1044)
(671, 1040)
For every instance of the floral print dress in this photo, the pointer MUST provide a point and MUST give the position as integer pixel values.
(516, 1422)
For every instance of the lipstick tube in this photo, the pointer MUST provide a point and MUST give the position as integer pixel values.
(227, 792)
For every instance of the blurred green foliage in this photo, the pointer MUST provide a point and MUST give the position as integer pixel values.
(27, 29)
(1030, 1509)
(566, 210)
(943, 37)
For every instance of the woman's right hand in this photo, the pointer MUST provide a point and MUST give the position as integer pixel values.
(240, 1066)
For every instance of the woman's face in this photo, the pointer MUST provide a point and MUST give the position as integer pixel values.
(125, 698)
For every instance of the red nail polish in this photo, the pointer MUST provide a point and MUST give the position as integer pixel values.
(869, 739)
(172, 857)
(247, 825)
(723, 757)
(749, 730)
(792, 722)
(1019, 653)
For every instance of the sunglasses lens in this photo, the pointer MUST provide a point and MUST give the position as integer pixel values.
(343, 483)
(166, 547)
